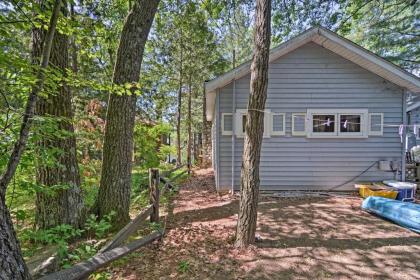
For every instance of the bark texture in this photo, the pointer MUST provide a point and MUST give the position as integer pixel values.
(12, 264)
(115, 186)
(63, 204)
(178, 117)
(254, 128)
(189, 123)
(206, 152)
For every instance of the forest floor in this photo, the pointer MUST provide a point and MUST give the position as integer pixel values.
(302, 238)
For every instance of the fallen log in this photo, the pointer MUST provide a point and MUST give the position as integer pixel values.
(128, 230)
(44, 263)
(84, 269)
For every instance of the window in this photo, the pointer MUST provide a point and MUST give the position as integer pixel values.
(278, 124)
(240, 122)
(323, 124)
(227, 123)
(376, 123)
(299, 124)
(243, 123)
(332, 123)
(351, 124)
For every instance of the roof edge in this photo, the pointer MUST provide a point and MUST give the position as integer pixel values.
(327, 39)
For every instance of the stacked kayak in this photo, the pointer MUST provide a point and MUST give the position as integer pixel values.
(368, 189)
(402, 213)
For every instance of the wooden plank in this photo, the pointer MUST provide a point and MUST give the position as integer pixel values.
(154, 194)
(84, 269)
(128, 230)
(167, 173)
(168, 182)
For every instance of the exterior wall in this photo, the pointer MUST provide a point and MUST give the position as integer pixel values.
(314, 77)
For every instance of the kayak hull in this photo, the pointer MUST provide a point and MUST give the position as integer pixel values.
(405, 214)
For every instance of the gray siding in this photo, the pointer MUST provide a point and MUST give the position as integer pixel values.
(313, 77)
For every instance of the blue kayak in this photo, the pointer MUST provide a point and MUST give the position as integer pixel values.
(405, 214)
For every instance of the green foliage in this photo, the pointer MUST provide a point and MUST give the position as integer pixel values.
(82, 252)
(155, 226)
(149, 151)
(60, 235)
(191, 41)
(100, 276)
(99, 228)
(389, 28)
(183, 266)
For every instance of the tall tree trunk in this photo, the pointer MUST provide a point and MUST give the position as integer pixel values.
(115, 186)
(206, 135)
(73, 46)
(254, 128)
(12, 265)
(63, 205)
(178, 117)
(189, 123)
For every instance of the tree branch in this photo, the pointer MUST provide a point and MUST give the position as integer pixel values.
(20, 145)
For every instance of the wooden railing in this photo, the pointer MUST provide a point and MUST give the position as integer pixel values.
(115, 249)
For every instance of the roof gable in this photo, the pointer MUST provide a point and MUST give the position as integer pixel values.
(331, 41)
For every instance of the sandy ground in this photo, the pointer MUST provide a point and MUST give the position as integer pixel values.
(302, 238)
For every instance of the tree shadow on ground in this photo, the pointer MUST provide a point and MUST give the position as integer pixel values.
(309, 238)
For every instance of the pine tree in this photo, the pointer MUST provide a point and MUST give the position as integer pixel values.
(254, 128)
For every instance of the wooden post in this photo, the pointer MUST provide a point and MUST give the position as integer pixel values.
(154, 194)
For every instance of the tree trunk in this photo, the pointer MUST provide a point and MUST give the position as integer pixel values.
(73, 46)
(115, 186)
(254, 128)
(63, 205)
(12, 264)
(206, 135)
(178, 117)
(189, 123)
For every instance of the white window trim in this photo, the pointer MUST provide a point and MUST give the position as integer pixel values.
(226, 132)
(337, 134)
(277, 133)
(299, 133)
(238, 123)
(376, 133)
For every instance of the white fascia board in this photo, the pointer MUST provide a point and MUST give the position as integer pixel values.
(210, 105)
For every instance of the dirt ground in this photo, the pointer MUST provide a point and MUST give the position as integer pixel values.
(302, 238)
